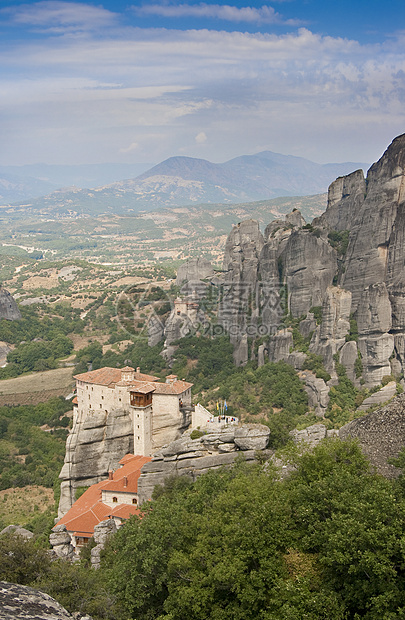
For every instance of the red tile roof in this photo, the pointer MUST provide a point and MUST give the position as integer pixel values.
(89, 510)
(177, 387)
(110, 376)
(131, 470)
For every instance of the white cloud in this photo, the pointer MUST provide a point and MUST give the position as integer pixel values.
(265, 14)
(297, 92)
(60, 16)
(132, 147)
(201, 137)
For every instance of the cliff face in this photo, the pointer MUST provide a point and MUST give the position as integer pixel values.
(350, 262)
(94, 446)
(8, 307)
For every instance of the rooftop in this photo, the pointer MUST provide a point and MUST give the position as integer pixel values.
(141, 383)
(89, 510)
(110, 376)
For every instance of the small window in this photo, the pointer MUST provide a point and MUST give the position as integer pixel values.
(102, 398)
(115, 500)
(134, 500)
(101, 406)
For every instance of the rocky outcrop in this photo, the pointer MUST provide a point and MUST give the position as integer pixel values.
(102, 532)
(350, 261)
(193, 457)
(4, 351)
(281, 345)
(374, 322)
(26, 603)
(348, 357)
(252, 437)
(309, 266)
(312, 435)
(381, 435)
(17, 530)
(345, 199)
(329, 336)
(94, 446)
(376, 245)
(8, 307)
(238, 311)
(381, 396)
(61, 542)
(193, 272)
(317, 390)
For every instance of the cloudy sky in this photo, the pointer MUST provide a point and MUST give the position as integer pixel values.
(122, 81)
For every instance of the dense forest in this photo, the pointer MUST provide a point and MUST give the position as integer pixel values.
(324, 542)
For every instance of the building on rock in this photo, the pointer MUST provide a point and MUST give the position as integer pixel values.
(150, 403)
(119, 411)
(115, 498)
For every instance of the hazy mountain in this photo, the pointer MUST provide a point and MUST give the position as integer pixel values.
(180, 181)
(21, 183)
(254, 177)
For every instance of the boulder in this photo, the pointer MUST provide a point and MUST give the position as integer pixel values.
(252, 437)
(61, 542)
(26, 603)
(386, 393)
(312, 435)
(103, 530)
(17, 530)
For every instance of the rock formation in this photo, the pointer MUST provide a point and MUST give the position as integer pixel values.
(381, 435)
(8, 307)
(349, 262)
(26, 603)
(194, 271)
(102, 532)
(193, 457)
(94, 446)
(61, 542)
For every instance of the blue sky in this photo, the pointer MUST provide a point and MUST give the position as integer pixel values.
(117, 81)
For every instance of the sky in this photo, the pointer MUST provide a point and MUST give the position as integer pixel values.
(138, 82)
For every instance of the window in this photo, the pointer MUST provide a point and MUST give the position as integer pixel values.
(115, 500)
(134, 500)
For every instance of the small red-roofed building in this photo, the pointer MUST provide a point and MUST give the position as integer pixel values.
(115, 498)
(159, 412)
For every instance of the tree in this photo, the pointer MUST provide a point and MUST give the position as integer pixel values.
(21, 561)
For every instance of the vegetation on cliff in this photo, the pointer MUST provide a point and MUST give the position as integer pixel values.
(241, 543)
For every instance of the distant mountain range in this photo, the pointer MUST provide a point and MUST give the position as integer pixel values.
(21, 183)
(177, 181)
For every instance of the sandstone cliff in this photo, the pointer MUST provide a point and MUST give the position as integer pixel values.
(348, 265)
